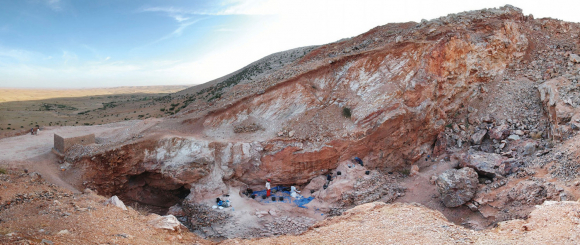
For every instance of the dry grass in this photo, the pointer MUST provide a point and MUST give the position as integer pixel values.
(77, 108)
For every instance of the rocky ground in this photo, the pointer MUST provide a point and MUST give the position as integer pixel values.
(468, 123)
(380, 223)
(33, 211)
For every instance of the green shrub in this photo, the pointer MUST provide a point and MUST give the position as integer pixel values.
(3, 170)
(346, 112)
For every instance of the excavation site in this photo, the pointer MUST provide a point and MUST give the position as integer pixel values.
(457, 130)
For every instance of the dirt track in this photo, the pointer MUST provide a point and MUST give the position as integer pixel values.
(35, 152)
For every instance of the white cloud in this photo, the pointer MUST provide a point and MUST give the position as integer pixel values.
(68, 56)
(55, 5)
(180, 18)
(225, 30)
(16, 54)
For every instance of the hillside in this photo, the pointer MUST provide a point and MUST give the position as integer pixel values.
(465, 124)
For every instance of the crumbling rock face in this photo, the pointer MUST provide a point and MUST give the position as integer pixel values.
(160, 172)
(560, 100)
(400, 95)
(457, 186)
(516, 201)
(412, 89)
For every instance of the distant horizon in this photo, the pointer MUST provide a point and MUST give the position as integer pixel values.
(110, 43)
(81, 88)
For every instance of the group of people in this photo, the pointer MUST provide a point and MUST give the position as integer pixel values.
(34, 131)
(357, 160)
(293, 191)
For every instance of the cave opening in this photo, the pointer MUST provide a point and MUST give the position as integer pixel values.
(152, 192)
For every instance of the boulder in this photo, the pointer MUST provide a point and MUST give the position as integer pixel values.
(477, 137)
(514, 137)
(500, 132)
(414, 170)
(575, 58)
(115, 201)
(487, 164)
(167, 222)
(457, 186)
(529, 148)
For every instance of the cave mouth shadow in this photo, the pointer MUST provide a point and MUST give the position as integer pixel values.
(151, 192)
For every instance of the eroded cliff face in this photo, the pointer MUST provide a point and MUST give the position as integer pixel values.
(391, 96)
(400, 95)
(400, 82)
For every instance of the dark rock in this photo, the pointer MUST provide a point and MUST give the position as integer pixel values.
(477, 137)
(440, 145)
(484, 163)
(457, 186)
(529, 149)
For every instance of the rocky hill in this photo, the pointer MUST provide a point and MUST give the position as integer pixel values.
(474, 115)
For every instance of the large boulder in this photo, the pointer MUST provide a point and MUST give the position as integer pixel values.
(115, 201)
(457, 186)
(167, 222)
(488, 164)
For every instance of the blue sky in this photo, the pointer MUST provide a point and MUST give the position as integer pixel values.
(105, 43)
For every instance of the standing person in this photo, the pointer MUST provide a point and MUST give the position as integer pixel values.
(268, 188)
(328, 178)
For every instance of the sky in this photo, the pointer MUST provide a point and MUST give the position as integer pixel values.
(109, 43)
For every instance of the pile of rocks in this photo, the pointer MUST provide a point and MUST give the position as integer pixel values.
(372, 189)
(247, 128)
(287, 225)
(493, 136)
(199, 216)
(564, 164)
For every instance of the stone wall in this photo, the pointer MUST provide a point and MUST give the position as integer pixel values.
(63, 143)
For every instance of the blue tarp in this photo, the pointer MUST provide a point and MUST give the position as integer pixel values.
(303, 201)
(280, 193)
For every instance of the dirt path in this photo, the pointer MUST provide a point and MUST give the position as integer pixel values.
(35, 152)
